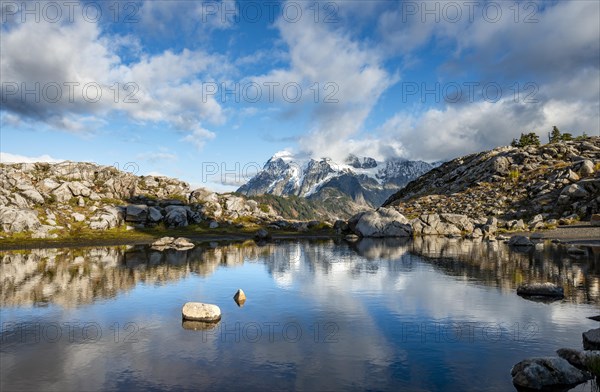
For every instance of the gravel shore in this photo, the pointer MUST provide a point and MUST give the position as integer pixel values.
(580, 233)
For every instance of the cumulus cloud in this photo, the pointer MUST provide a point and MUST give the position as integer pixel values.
(78, 78)
(562, 63)
(198, 137)
(457, 130)
(350, 76)
(6, 157)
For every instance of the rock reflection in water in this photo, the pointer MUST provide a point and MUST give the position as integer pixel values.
(69, 277)
(496, 264)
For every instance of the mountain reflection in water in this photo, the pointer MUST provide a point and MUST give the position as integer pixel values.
(70, 277)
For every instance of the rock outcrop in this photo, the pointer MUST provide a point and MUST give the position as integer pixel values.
(47, 200)
(548, 372)
(536, 184)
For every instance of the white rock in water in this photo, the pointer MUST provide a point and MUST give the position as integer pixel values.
(197, 311)
(180, 243)
(164, 241)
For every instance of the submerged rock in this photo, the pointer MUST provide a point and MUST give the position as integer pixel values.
(198, 325)
(548, 372)
(197, 311)
(541, 290)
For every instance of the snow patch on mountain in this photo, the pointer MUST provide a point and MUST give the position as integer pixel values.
(363, 179)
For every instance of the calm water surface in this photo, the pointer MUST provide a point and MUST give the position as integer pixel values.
(430, 314)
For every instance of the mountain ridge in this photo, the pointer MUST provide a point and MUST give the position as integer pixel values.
(364, 180)
(557, 179)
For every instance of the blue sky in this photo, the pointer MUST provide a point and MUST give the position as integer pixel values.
(420, 80)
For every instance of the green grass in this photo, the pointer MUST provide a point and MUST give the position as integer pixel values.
(593, 365)
(80, 234)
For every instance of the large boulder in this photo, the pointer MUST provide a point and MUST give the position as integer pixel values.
(63, 193)
(202, 195)
(197, 311)
(442, 224)
(14, 220)
(548, 372)
(137, 213)
(34, 196)
(78, 189)
(234, 204)
(519, 241)
(384, 222)
(591, 339)
(154, 215)
(574, 191)
(587, 168)
(262, 235)
(107, 217)
(580, 359)
(176, 216)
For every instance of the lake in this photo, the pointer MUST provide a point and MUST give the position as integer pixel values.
(430, 314)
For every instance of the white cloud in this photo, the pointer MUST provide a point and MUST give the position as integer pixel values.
(461, 129)
(164, 88)
(198, 137)
(561, 61)
(320, 53)
(154, 157)
(6, 157)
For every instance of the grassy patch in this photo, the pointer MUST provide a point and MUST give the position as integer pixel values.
(593, 365)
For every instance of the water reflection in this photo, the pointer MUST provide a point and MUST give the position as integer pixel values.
(377, 314)
(69, 277)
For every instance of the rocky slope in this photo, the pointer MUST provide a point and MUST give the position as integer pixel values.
(355, 184)
(536, 184)
(49, 200)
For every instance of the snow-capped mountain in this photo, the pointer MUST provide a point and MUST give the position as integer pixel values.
(360, 180)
